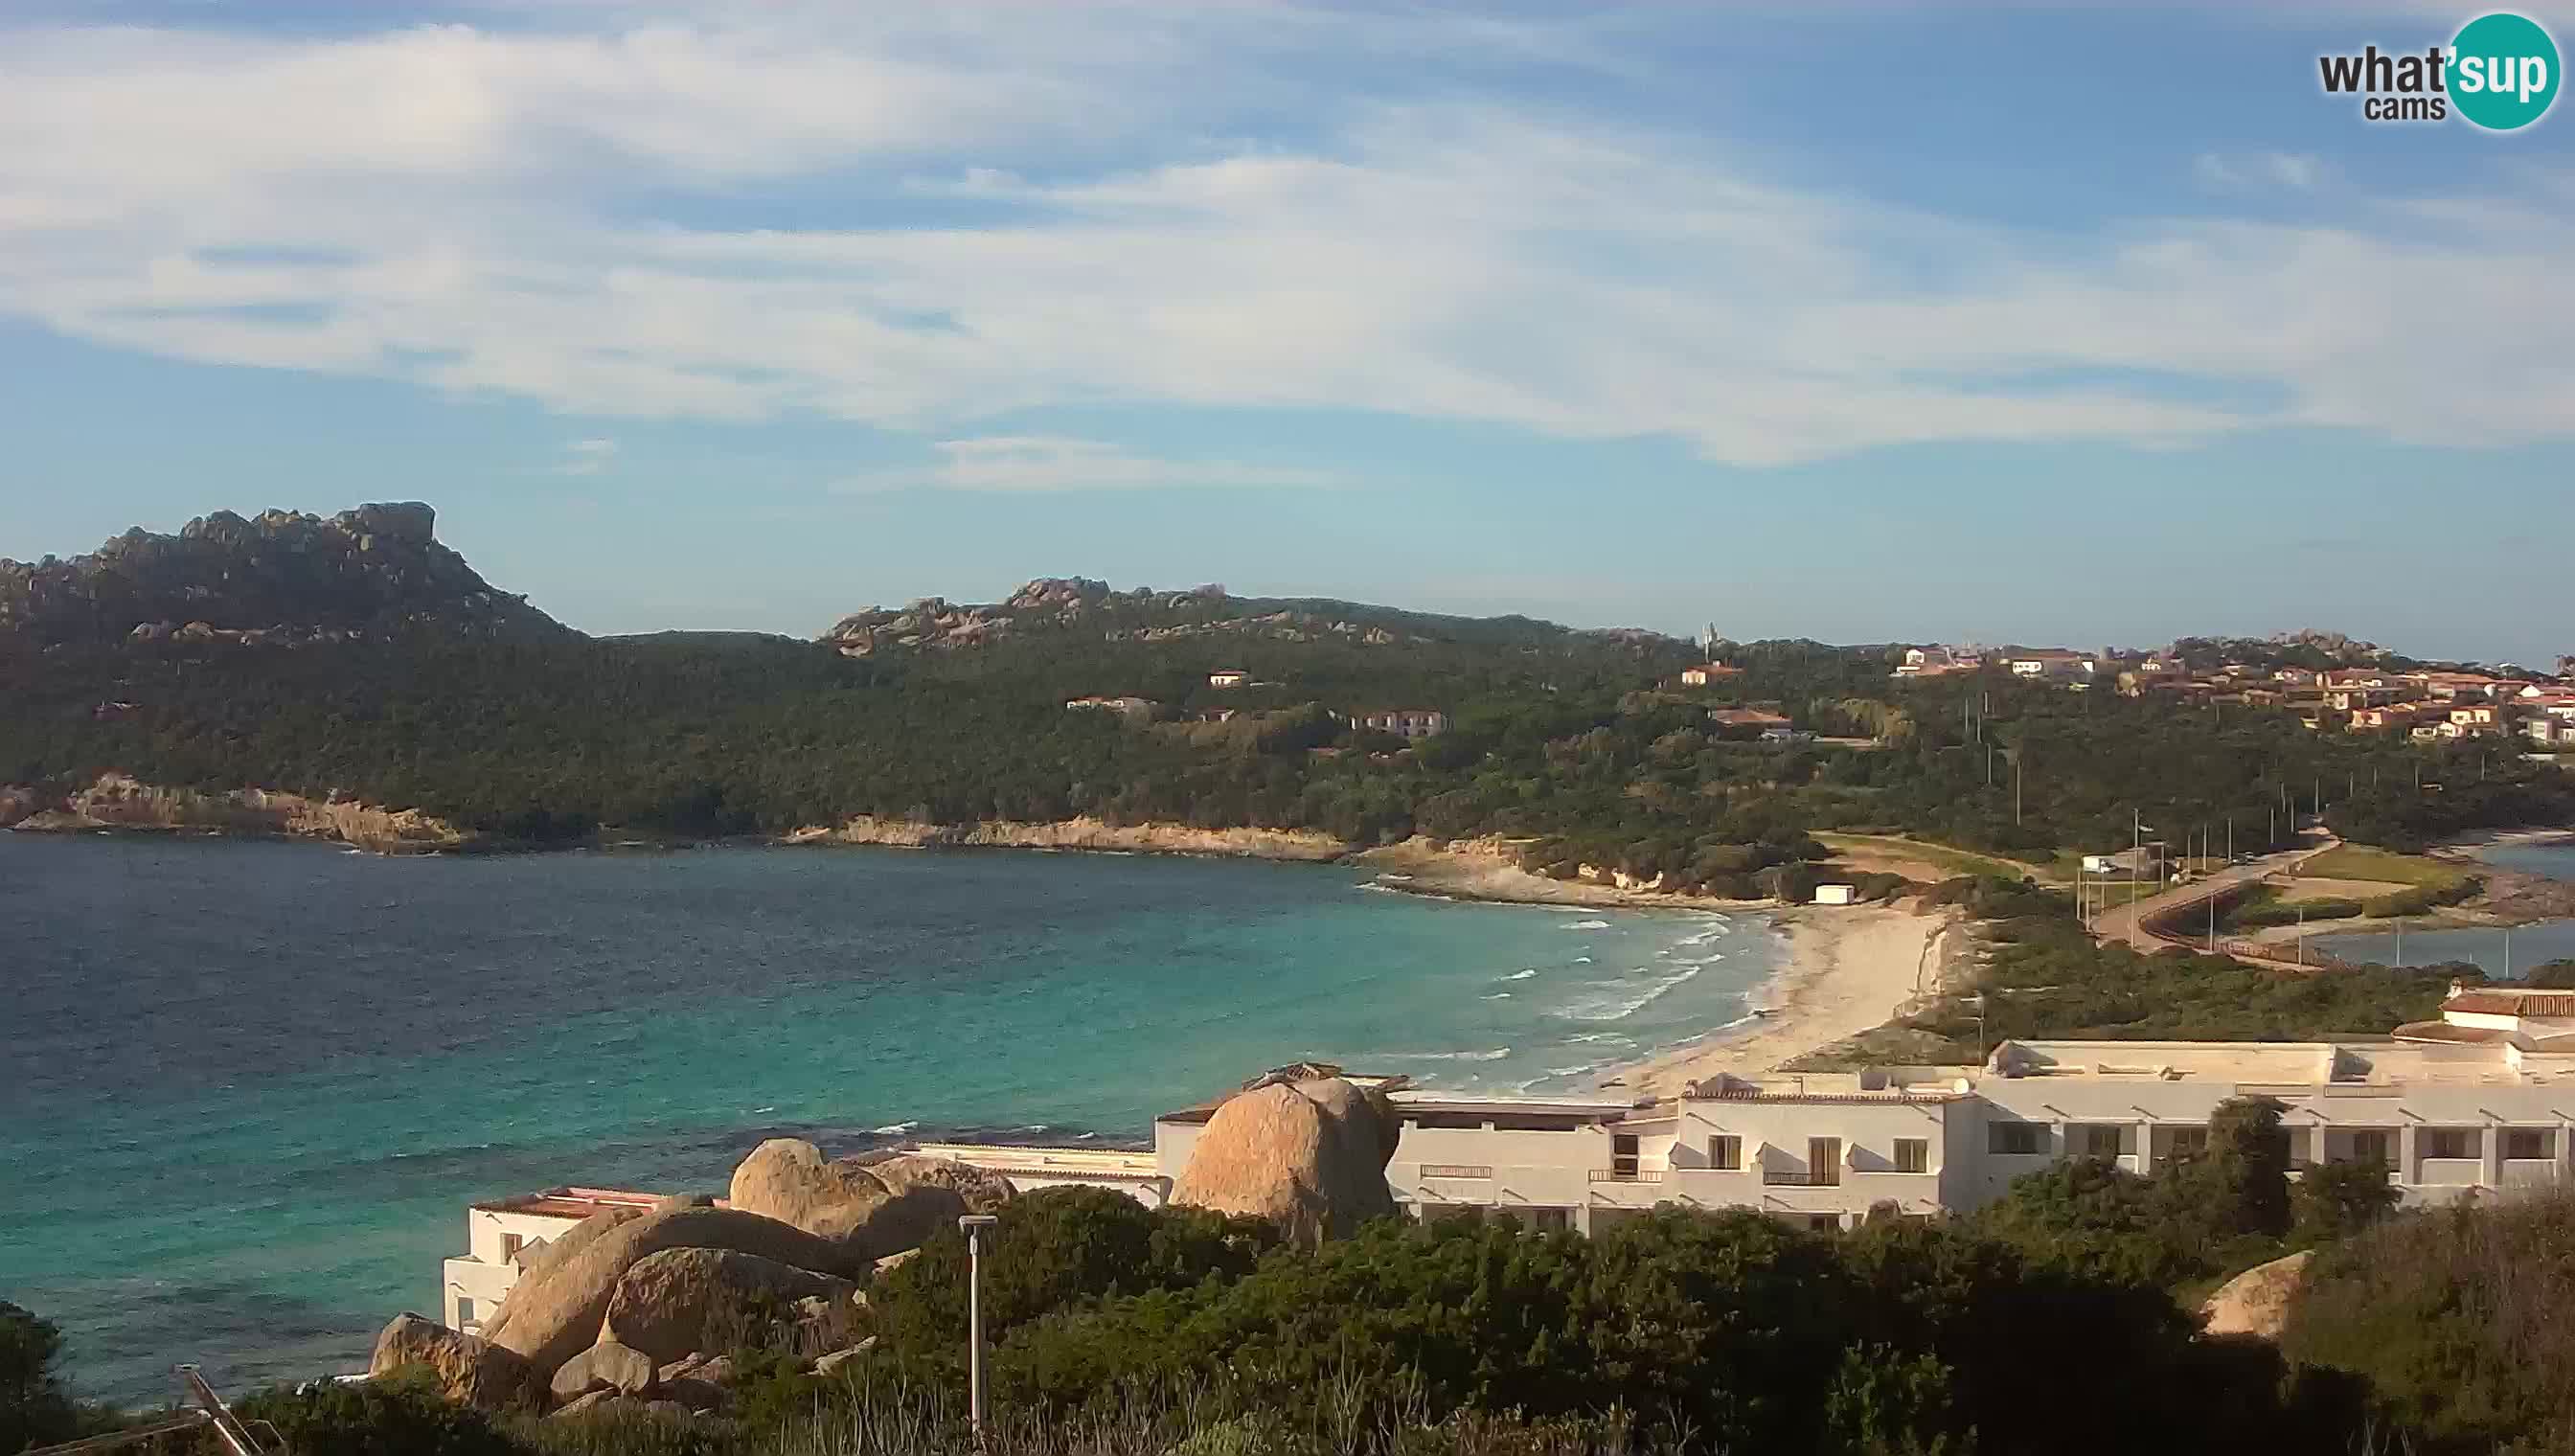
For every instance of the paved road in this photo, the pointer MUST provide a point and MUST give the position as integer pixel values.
(2119, 922)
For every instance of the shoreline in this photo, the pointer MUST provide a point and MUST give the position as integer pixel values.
(1847, 969)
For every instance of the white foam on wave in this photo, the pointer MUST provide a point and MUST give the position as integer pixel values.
(1497, 1055)
(1585, 925)
(1621, 1037)
(1623, 1001)
(1582, 960)
(893, 1129)
(1497, 995)
(1523, 973)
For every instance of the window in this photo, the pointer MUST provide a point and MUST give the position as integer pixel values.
(1726, 1153)
(2097, 1142)
(1824, 1161)
(1825, 1222)
(510, 1247)
(2021, 1139)
(1622, 1155)
(1553, 1220)
(2371, 1147)
(2187, 1142)
(1912, 1155)
(2525, 1142)
(464, 1310)
(2448, 1142)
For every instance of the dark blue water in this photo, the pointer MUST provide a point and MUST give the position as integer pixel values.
(2496, 952)
(247, 1090)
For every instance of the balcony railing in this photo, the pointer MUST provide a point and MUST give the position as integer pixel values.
(1627, 1175)
(1781, 1179)
(1457, 1170)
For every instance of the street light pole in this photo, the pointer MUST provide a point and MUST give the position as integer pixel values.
(973, 1225)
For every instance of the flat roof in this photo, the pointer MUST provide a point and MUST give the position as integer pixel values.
(1102, 1162)
(572, 1202)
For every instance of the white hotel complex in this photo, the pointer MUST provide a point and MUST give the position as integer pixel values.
(2482, 1101)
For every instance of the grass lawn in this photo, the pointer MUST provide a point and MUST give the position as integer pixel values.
(1955, 861)
(2360, 861)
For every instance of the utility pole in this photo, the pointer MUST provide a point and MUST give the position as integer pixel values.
(2302, 934)
(2018, 754)
(973, 1224)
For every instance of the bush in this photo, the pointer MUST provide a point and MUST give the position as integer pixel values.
(33, 1409)
(397, 1415)
(1056, 1250)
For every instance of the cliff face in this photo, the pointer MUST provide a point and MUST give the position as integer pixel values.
(1082, 833)
(118, 801)
(280, 579)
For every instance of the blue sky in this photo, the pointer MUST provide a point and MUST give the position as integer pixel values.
(1859, 321)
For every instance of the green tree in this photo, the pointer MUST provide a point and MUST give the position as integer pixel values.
(34, 1411)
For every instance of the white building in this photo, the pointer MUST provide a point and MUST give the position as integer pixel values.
(504, 1235)
(1137, 1174)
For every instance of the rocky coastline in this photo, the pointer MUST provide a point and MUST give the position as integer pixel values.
(117, 802)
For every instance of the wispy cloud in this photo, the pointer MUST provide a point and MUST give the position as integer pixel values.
(586, 457)
(948, 215)
(1031, 462)
(2259, 169)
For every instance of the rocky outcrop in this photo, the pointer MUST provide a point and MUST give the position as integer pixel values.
(1080, 833)
(116, 800)
(677, 1301)
(468, 1370)
(1309, 1155)
(607, 1365)
(2257, 1303)
(284, 579)
(873, 1208)
(555, 1313)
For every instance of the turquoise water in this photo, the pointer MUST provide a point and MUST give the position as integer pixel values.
(247, 1090)
(2494, 952)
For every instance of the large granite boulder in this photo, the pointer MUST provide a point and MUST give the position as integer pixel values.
(1309, 1156)
(677, 1301)
(541, 1266)
(873, 1208)
(2257, 1303)
(470, 1370)
(556, 1311)
(607, 1365)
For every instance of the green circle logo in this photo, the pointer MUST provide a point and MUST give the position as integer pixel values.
(2503, 71)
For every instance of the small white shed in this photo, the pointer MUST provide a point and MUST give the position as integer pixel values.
(1834, 894)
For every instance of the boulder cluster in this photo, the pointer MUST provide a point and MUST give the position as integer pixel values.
(645, 1306)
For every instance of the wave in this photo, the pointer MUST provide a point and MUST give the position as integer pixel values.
(1497, 1055)
(893, 1129)
(1582, 960)
(1585, 925)
(1523, 973)
(1623, 1006)
(1497, 995)
(1617, 1036)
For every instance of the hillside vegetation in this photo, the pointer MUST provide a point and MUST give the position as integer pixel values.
(412, 686)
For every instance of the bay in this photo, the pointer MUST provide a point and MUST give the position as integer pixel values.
(247, 1090)
(2490, 949)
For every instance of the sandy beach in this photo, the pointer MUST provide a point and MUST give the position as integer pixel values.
(1849, 968)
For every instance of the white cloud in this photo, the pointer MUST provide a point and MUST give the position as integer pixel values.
(1032, 462)
(925, 220)
(586, 457)
(2291, 170)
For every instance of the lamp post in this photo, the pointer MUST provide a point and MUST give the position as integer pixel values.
(973, 1225)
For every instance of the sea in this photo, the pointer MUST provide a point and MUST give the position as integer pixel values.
(248, 1088)
(2497, 951)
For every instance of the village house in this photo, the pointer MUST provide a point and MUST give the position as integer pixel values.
(1406, 723)
(1935, 662)
(2394, 717)
(1140, 710)
(504, 1235)
(2055, 663)
(1706, 673)
(1229, 678)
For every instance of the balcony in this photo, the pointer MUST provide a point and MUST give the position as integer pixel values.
(1627, 1175)
(1800, 1178)
(2531, 1172)
(2451, 1172)
(1458, 1170)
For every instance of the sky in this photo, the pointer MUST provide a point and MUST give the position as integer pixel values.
(1847, 318)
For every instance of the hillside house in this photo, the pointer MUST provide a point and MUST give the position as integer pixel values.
(1229, 678)
(2050, 663)
(1406, 723)
(1708, 672)
(1138, 709)
(503, 1235)
(2395, 716)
